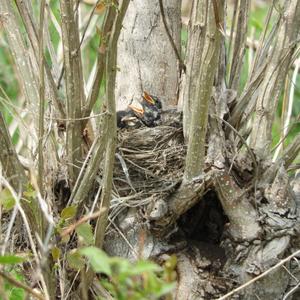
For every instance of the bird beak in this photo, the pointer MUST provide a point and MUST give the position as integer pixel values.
(148, 98)
(130, 121)
(138, 110)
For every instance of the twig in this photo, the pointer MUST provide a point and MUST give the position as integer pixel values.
(77, 119)
(277, 69)
(63, 67)
(12, 167)
(291, 292)
(100, 68)
(111, 71)
(288, 107)
(238, 50)
(244, 142)
(88, 172)
(19, 50)
(42, 98)
(288, 130)
(217, 17)
(82, 37)
(9, 229)
(182, 66)
(31, 30)
(84, 219)
(291, 151)
(261, 43)
(88, 23)
(28, 230)
(134, 253)
(21, 285)
(259, 276)
(74, 85)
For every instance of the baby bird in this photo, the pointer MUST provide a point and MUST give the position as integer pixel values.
(127, 119)
(149, 110)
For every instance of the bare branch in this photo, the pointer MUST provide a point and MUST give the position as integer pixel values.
(34, 41)
(20, 52)
(261, 136)
(42, 98)
(106, 28)
(239, 44)
(182, 66)
(261, 44)
(201, 99)
(74, 86)
(111, 69)
(84, 183)
(11, 165)
(84, 219)
(292, 151)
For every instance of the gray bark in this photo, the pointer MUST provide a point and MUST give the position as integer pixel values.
(146, 59)
(261, 213)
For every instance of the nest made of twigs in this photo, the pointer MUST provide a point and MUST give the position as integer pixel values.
(148, 161)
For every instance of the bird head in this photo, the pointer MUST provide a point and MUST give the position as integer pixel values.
(148, 98)
(125, 119)
(152, 100)
(137, 109)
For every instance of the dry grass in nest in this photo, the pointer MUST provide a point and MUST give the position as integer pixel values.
(149, 161)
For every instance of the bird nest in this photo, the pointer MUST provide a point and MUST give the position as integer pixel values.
(149, 162)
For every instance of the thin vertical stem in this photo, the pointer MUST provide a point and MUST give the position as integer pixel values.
(111, 69)
(42, 99)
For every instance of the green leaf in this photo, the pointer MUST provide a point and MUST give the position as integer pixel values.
(98, 259)
(29, 193)
(14, 292)
(6, 199)
(75, 260)
(68, 212)
(55, 251)
(11, 259)
(120, 265)
(85, 232)
(144, 266)
(165, 288)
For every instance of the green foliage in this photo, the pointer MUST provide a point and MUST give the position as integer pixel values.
(126, 280)
(10, 259)
(12, 292)
(55, 252)
(85, 234)
(68, 212)
(75, 260)
(7, 200)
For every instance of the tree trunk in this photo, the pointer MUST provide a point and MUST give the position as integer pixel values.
(146, 60)
(233, 217)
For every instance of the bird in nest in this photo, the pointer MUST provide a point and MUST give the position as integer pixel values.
(148, 112)
(127, 119)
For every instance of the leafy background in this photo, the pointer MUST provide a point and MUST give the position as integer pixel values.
(11, 106)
